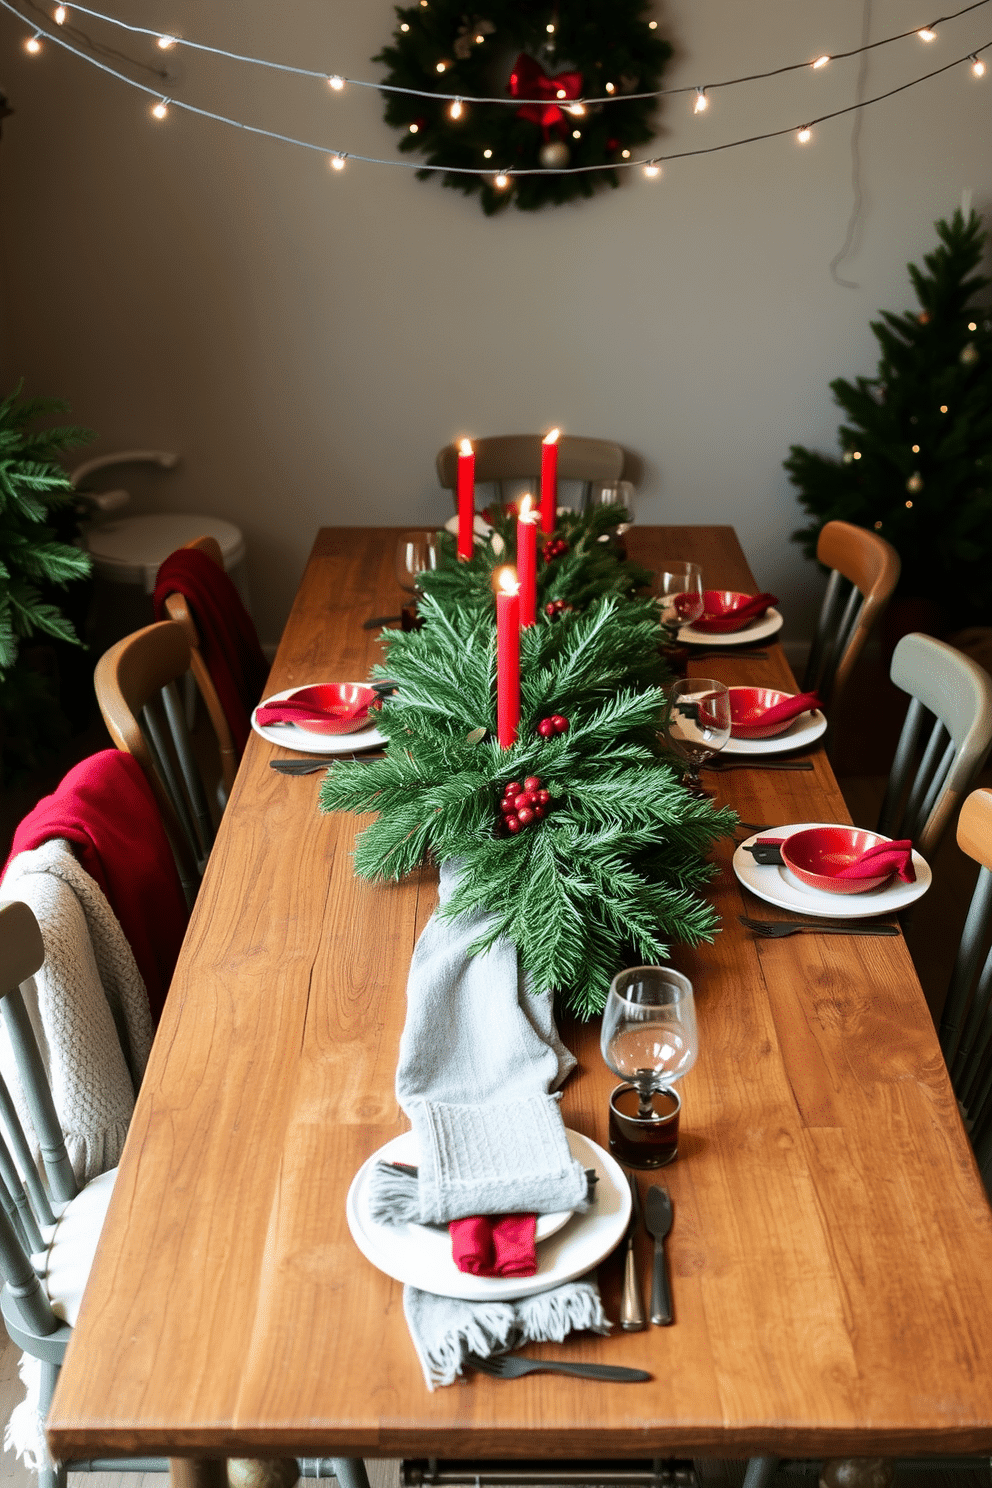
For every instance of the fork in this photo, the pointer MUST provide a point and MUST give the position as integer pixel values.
(511, 1366)
(776, 929)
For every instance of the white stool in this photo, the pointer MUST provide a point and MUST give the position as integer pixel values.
(130, 550)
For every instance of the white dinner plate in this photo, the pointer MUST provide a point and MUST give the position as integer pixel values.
(420, 1255)
(775, 884)
(802, 731)
(292, 737)
(755, 630)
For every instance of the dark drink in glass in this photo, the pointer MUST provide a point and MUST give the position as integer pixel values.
(644, 1141)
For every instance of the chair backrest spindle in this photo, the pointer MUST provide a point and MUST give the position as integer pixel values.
(864, 572)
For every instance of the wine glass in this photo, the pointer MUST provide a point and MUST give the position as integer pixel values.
(416, 553)
(678, 590)
(649, 1038)
(698, 724)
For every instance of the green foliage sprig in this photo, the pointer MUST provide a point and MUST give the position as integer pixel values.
(613, 871)
(916, 461)
(32, 487)
(442, 48)
(589, 570)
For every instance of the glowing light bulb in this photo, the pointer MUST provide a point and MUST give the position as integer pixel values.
(805, 135)
(625, 154)
(479, 39)
(165, 42)
(60, 15)
(652, 25)
(160, 109)
(856, 455)
(414, 128)
(943, 407)
(441, 66)
(820, 62)
(576, 109)
(337, 161)
(610, 88)
(501, 181)
(335, 82)
(916, 449)
(404, 27)
(487, 154)
(909, 505)
(973, 325)
(560, 93)
(702, 103)
(33, 44)
(927, 33)
(576, 133)
(456, 109)
(651, 169)
(550, 28)
(978, 66)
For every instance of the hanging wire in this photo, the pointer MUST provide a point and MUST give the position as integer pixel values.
(854, 221)
(507, 171)
(323, 74)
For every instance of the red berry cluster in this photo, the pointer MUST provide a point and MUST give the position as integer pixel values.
(555, 547)
(523, 804)
(548, 727)
(556, 607)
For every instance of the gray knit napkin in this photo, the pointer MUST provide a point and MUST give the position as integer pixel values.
(445, 1330)
(479, 1059)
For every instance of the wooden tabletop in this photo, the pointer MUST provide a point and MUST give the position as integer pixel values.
(832, 1245)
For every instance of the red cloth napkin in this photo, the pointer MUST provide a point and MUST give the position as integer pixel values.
(289, 711)
(884, 857)
(495, 1245)
(228, 639)
(787, 709)
(737, 617)
(106, 809)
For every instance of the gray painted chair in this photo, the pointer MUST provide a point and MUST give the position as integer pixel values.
(136, 688)
(515, 457)
(944, 742)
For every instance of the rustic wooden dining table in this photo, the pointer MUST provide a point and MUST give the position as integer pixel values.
(831, 1255)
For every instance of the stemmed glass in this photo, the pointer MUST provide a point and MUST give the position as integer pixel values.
(697, 724)
(649, 1038)
(416, 553)
(678, 589)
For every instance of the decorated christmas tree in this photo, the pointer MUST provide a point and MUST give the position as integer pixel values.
(916, 444)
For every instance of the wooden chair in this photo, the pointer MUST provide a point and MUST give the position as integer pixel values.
(136, 689)
(944, 742)
(43, 1269)
(864, 572)
(509, 457)
(177, 609)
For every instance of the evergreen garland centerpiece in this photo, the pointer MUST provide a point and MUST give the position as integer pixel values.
(916, 462)
(548, 56)
(577, 564)
(579, 840)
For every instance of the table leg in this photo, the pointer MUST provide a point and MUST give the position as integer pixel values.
(350, 1472)
(760, 1471)
(198, 1472)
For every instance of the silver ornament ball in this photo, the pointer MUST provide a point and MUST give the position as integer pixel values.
(554, 155)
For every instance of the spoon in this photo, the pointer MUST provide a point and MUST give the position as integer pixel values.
(658, 1218)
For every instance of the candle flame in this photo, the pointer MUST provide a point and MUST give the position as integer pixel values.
(552, 437)
(507, 580)
(466, 446)
(526, 508)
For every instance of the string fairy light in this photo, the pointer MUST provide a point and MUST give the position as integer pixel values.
(60, 15)
(804, 135)
(160, 109)
(614, 96)
(651, 167)
(977, 66)
(702, 103)
(928, 33)
(33, 44)
(820, 62)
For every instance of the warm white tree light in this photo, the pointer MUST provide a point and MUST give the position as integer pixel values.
(165, 42)
(33, 43)
(702, 103)
(978, 66)
(414, 128)
(652, 169)
(337, 161)
(501, 182)
(927, 33)
(804, 135)
(60, 15)
(610, 88)
(820, 61)
(160, 109)
(455, 111)
(335, 82)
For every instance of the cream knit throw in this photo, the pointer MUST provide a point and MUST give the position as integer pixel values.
(88, 1006)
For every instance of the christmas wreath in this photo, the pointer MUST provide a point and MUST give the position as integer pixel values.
(547, 56)
(579, 840)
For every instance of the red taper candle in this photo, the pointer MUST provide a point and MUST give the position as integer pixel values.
(507, 658)
(527, 561)
(466, 500)
(549, 481)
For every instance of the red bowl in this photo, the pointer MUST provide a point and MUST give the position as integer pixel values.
(720, 604)
(816, 855)
(346, 704)
(747, 704)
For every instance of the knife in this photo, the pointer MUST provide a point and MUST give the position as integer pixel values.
(632, 1305)
(658, 1217)
(320, 762)
(797, 764)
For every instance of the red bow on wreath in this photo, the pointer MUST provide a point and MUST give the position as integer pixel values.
(529, 80)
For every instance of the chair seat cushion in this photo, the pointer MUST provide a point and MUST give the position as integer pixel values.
(73, 1246)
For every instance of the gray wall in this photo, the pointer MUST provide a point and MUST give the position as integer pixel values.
(309, 338)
